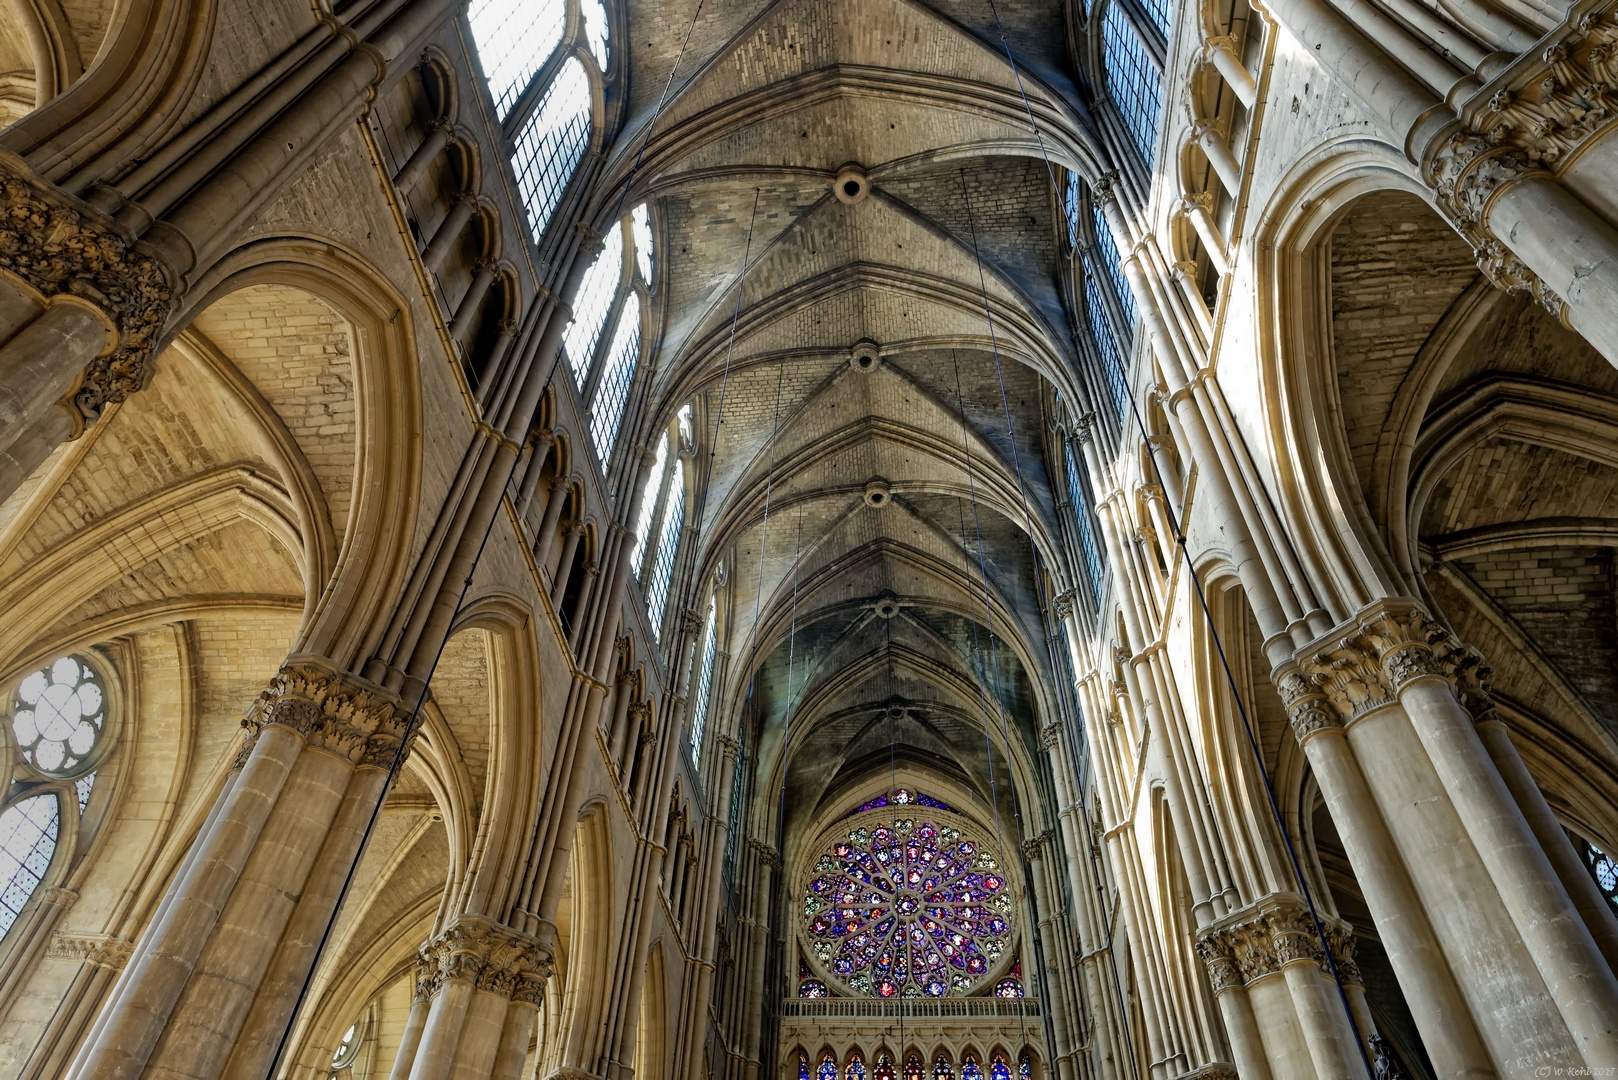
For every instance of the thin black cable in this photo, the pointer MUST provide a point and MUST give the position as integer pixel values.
(1202, 601)
(414, 721)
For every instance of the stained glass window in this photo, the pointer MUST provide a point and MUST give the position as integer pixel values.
(595, 29)
(513, 40)
(1025, 1067)
(942, 1069)
(1070, 209)
(970, 1069)
(1107, 250)
(699, 700)
(640, 221)
(58, 716)
(998, 1069)
(28, 833)
(592, 303)
(1604, 870)
(612, 393)
(884, 1068)
(803, 1065)
(1132, 79)
(550, 144)
(827, 1069)
(901, 797)
(1078, 493)
(856, 1067)
(911, 908)
(668, 544)
(812, 988)
(648, 503)
(1101, 333)
(1008, 988)
(914, 1069)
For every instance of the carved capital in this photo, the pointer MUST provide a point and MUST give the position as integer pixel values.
(1103, 189)
(691, 620)
(731, 747)
(1508, 274)
(486, 954)
(1051, 736)
(1063, 603)
(332, 710)
(97, 950)
(1261, 940)
(55, 248)
(767, 856)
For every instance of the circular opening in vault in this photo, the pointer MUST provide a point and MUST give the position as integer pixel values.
(851, 188)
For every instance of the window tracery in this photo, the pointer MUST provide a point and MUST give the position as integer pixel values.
(943, 1069)
(616, 378)
(1603, 869)
(910, 908)
(699, 700)
(668, 544)
(28, 831)
(1011, 985)
(1132, 80)
(856, 1067)
(551, 143)
(884, 1068)
(914, 1069)
(648, 504)
(513, 41)
(827, 1069)
(970, 1069)
(900, 797)
(58, 716)
(998, 1069)
(594, 14)
(592, 304)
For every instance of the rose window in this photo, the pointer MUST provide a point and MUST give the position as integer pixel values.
(58, 716)
(908, 908)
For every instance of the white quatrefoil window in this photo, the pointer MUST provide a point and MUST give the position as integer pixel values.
(58, 717)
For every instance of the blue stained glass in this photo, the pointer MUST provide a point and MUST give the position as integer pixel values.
(513, 41)
(551, 143)
(856, 1068)
(970, 1069)
(827, 1070)
(1078, 493)
(28, 834)
(612, 394)
(999, 1070)
(901, 797)
(803, 1066)
(1132, 80)
(1158, 12)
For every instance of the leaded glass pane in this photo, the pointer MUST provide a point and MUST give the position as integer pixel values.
(648, 503)
(856, 1068)
(1078, 493)
(998, 1069)
(942, 1069)
(1158, 12)
(1132, 80)
(668, 543)
(595, 30)
(513, 41)
(909, 907)
(27, 841)
(591, 305)
(82, 787)
(1070, 210)
(970, 1069)
(613, 391)
(1107, 251)
(1604, 870)
(58, 716)
(827, 1069)
(1101, 332)
(699, 700)
(641, 221)
(550, 144)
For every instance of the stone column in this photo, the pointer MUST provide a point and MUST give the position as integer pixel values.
(437, 138)
(484, 981)
(1429, 987)
(40, 362)
(210, 976)
(1409, 644)
(467, 310)
(449, 230)
(1236, 1010)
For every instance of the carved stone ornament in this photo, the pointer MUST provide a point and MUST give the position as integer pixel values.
(1262, 939)
(1535, 123)
(97, 950)
(486, 954)
(334, 711)
(1217, 1070)
(57, 249)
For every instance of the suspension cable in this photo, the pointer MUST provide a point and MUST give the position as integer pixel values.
(1202, 601)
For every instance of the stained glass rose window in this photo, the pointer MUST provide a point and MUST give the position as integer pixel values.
(911, 908)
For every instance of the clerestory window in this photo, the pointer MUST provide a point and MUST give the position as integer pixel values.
(605, 339)
(514, 39)
(668, 545)
(550, 144)
(704, 685)
(1132, 80)
(1083, 507)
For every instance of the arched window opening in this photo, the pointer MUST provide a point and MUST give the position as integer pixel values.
(1070, 209)
(657, 593)
(551, 143)
(827, 1069)
(58, 716)
(1025, 1067)
(1132, 80)
(1603, 869)
(1158, 12)
(699, 699)
(595, 30)
(513, 40)
(942, 1069)
(1078, 493)
(648, 504)
(1101, 333)
(1106, 251)
(641, 222)
(28, 832)
(348, 1049)
(883, 1069)
(591, 305)
(856, 1067)
(914, 1069)
(998, 1069)
(970, 1069)
(803, 1065)
(613, 392)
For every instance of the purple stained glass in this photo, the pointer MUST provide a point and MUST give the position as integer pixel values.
(918, 910)
(902, 797)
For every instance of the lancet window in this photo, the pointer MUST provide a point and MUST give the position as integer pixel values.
(1132, 79)
(518, 46)
(827, 1069)
(970, 1069)
(603, 342)
(884, 1068)
(704, 683)
(914, 1069)
(58, 730)
(1603, 869)
(1083, 506)
(855, 1069)
(1158, 12)
(668, 544)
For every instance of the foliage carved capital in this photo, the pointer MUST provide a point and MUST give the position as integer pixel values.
(332, 710)
(56, 248)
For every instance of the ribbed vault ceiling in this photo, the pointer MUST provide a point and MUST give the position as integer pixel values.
(882, 613)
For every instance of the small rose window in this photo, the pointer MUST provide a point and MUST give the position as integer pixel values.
(59, 715)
